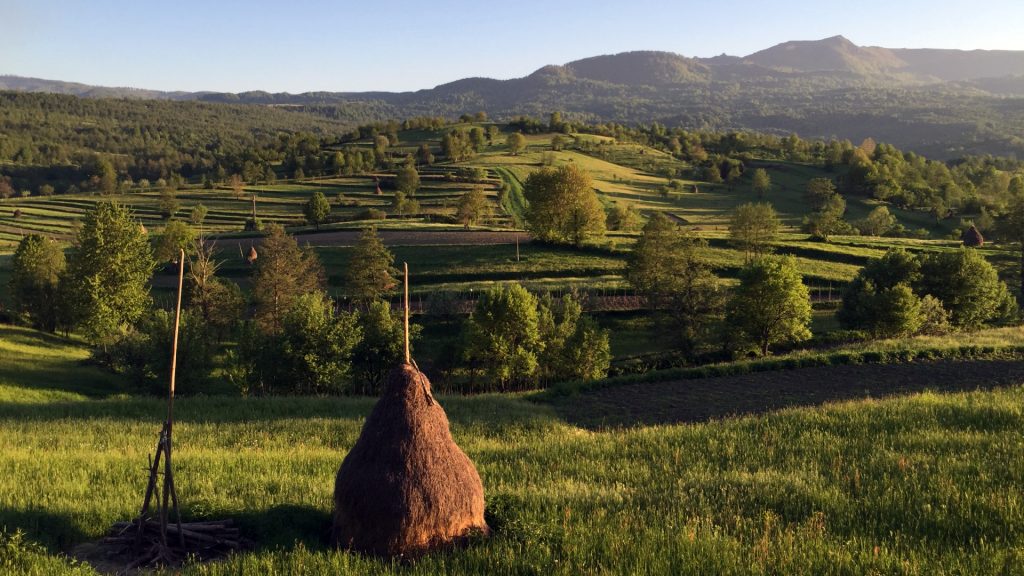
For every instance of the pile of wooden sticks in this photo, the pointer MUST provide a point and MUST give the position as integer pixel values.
(143, 542)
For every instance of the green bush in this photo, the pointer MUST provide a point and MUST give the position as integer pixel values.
(144, 353)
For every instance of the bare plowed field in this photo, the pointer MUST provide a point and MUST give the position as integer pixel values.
(714, 398)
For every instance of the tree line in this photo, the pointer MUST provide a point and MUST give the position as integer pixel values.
(286, 336)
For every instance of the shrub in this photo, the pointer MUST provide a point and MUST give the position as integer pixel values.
(311, 354)
(370, 214)
(144, 354)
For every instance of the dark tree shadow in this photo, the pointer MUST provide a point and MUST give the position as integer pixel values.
(55, 532)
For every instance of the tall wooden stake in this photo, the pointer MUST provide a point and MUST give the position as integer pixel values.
(167, 500)
(253, 207)
(517, 247)
(174, 344)
(408, 359)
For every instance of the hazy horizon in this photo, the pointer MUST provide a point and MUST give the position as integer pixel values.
(316, 45)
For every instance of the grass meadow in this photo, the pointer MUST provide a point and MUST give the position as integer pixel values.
(923, 484)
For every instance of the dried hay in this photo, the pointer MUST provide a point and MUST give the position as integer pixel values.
(406, 487)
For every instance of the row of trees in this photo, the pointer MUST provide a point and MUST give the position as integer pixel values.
(771, 305)
(899, 294)
(903, 294)
(291, 337)
(515, 339)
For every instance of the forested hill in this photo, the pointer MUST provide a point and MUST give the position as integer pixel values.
(943, 103)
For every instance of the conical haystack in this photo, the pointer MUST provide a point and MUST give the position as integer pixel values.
(972, 237)
(406, 487)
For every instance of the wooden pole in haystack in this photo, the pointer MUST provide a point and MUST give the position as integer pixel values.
(408, 358)
(405, 487)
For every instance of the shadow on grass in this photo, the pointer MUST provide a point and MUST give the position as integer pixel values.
(55, 532)
(706, 399)
(279, 527)
(497, 411)
(283, 526)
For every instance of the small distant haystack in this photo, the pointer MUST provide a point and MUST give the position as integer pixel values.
(142, 228)
(378, 192)
(17, 213)
(406, 487)
(251, 258)
(972, 237)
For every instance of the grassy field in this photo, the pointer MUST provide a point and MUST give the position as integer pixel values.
(622, 172)
(922, 484)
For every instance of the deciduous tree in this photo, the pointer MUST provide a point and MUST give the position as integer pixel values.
(110, 266)
(623, 217)
(753, 227)
(878, 222)
(176, 236)
(198, 215)
(666, 267)
(761, 182)
(968, 287)
(503, 339)
(472, 206)
(382, 346)
(168, 204)
(408, 178)
(563, 205)
(771, 304)
(317, 209)
(516, 143)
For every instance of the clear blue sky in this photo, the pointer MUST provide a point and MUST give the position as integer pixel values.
(303, 45)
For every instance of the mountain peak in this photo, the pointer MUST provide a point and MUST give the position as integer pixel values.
(639, 68)
(837, 40)
(833, 54)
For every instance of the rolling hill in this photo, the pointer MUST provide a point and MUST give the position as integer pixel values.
(943, 103)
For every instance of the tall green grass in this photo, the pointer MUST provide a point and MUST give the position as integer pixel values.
(927, 484)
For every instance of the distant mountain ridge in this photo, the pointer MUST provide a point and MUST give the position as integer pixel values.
(836, 54)
(943, 102)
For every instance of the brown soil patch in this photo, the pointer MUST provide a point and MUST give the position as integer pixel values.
(706, 399)
(402, 238)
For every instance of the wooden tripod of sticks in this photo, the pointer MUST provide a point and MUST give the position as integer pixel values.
(165, 498)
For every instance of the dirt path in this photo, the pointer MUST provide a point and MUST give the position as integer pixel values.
(401, 238)
(714, 398)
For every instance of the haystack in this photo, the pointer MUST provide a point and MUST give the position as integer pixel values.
(406, 487)
(972, 237)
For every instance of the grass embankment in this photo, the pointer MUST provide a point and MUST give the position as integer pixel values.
(37, 367)
(926, 484)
